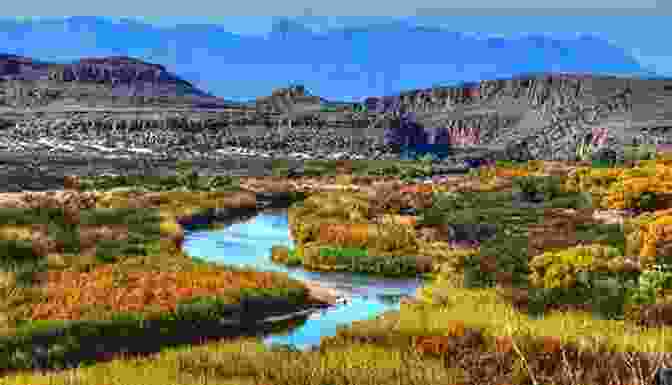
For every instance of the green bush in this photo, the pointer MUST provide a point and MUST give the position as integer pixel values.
(647, 201)
(347, 252)
(219, 182)
(19, 216)
(606, 233)
(541, 297)
(186, 178)
(511, 255)
(198, 308)
(559, 269)
(474, 276)
(538, 298)
(25, 270)
(16, 250)
(650, 285)
(570, 200)
(25, 326)
(548, 187)
(609, 298)
(197, 260)
(447, 206)
(294, 259)
(640, 152)
(386, 266)
(606, 292)
(602, 164)
(509, 164)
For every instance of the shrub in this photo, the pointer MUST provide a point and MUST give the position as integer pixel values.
(609, 298)
(284, 254)
(650, 286)
(546, 187)
(560, 269)
(642, 187)
(474, 275)
(655, 237)
(293, 258)
(502, 255)
(343, 252)
(448, 259)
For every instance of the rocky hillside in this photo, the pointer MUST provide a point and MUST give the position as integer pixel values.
(108, 81)
(540, 116)
(543, 115)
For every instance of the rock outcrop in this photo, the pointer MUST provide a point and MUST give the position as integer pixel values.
(111, 81)
(542, 116)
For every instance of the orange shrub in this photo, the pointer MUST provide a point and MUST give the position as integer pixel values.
(551, 344)
(511, 172)
(73, 295)
(345, 234)
(408, 220)
(455, 328)
(436, 345)
(656, 235)
(503, 344)
(417, 188)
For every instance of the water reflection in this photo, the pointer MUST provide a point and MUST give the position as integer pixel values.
(249, 243)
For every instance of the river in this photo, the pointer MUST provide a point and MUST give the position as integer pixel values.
(249, 243)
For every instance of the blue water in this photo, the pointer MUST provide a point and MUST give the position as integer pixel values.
(249, 243)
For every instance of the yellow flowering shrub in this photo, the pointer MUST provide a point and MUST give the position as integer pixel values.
(487, 175)
(449, 257)
(634, 229)
(535, 165)
(656, 236)
(627, 191)
(559, 269)
(595, 181)
(511, 172)
(663, 158)
(578, 179)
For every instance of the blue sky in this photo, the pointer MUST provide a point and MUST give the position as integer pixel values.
(641, 27)
(643, 32)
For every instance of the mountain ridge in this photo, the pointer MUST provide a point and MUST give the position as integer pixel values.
(29, 82)
(340, 64)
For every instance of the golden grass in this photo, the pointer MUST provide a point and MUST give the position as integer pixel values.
(249, 361)
(470, 305)
(16, 232)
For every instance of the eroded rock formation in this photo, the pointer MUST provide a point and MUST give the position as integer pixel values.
(542, 115)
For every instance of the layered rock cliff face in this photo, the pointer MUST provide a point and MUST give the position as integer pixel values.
(544, 116)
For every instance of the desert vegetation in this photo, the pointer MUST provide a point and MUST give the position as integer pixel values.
(541, 273)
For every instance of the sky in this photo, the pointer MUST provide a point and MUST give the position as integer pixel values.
(643, 32)
(641, 26)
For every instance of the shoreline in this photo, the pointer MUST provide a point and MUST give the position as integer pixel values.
(325, 294)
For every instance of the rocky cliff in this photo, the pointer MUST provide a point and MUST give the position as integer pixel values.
(540, 115)
(109, 81)
(543, 115)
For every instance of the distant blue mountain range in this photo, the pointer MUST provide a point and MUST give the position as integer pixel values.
(339, 64)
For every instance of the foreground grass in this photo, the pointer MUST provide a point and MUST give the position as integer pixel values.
(382, 352)
(248, 362)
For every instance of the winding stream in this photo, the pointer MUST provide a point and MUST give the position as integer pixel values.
(249, 243)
